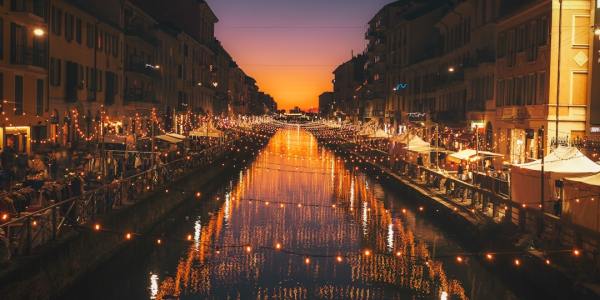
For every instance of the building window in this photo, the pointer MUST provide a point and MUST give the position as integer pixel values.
(39, 99)
(543, 31)
(99, 80)
(541, 99)
(78, 30)
(18, 40)
(1, 91)
(18, 95)
(56, 20)
(55, 71)
(90, 36)
(115, 46)
(69, 27)
(1, 39)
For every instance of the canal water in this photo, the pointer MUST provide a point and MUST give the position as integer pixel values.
(297, 224)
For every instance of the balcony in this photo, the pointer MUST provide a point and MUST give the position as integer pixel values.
(141, 33)
(28, 56)
(135, 65)
(35, 8)
(139, 95)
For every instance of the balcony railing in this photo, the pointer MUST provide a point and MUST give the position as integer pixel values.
(135, 65)
(35, 7)
(133, 30)
(28, 56)
(138, 95)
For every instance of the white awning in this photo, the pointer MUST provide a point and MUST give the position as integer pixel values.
(177, 136)
(168, 139)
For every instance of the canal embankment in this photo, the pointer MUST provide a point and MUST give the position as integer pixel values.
(480, 234)
(58, 264)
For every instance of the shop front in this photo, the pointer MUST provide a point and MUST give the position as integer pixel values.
(18, 138)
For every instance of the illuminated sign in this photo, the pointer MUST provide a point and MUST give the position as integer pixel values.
(401, 86)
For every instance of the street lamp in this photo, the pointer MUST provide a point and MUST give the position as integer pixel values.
(39, 32)
(451, 69)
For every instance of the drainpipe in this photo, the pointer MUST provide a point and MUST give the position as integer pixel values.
(558, 70)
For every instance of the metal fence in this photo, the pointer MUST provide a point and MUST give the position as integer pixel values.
(21, 235)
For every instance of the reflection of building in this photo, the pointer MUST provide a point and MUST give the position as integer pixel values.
(23, 74)
(361, 219)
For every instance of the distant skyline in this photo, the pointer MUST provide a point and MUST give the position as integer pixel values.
(291, 47)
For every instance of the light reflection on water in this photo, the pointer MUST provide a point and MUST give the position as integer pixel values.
(294, 170)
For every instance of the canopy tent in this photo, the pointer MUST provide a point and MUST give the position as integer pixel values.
(471, 154)
(401, 138)
(206, 132)
(177, 136)
(416, 143)
(115, 139)
(581, 204)
(379, 134)
(563, 162)
(168, 139)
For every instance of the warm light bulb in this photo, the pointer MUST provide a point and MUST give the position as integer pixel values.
(39, 32)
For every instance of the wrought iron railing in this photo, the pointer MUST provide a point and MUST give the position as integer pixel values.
(33, 229)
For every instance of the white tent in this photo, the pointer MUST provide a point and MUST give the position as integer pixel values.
(177, 136)
(401, 138)
(379, 134)
(469, 154)
(168, 139)
(581, 204)
(417, 144)
(525, 179)
(206, 132)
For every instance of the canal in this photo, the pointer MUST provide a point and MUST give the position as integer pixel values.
(297, 224)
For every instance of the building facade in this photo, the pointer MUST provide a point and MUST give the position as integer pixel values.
(23, 74)
(74, 70)
(490, 72)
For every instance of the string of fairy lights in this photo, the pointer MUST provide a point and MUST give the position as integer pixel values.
(516, 257)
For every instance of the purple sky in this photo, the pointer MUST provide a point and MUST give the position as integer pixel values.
(291, 46)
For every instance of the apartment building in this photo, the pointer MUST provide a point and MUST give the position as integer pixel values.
(23, 74)
(348, 80)
(236, 91)
(85, 70)
(542, 70)
(375, 88)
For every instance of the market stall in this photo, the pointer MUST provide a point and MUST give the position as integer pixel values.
(562, 162)
(474, 156)
(581, 204)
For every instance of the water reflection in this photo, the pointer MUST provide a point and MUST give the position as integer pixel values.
(299, 196)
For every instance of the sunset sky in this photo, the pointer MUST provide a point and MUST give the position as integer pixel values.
(291, 47)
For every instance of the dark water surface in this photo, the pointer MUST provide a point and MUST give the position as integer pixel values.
(341, 236)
